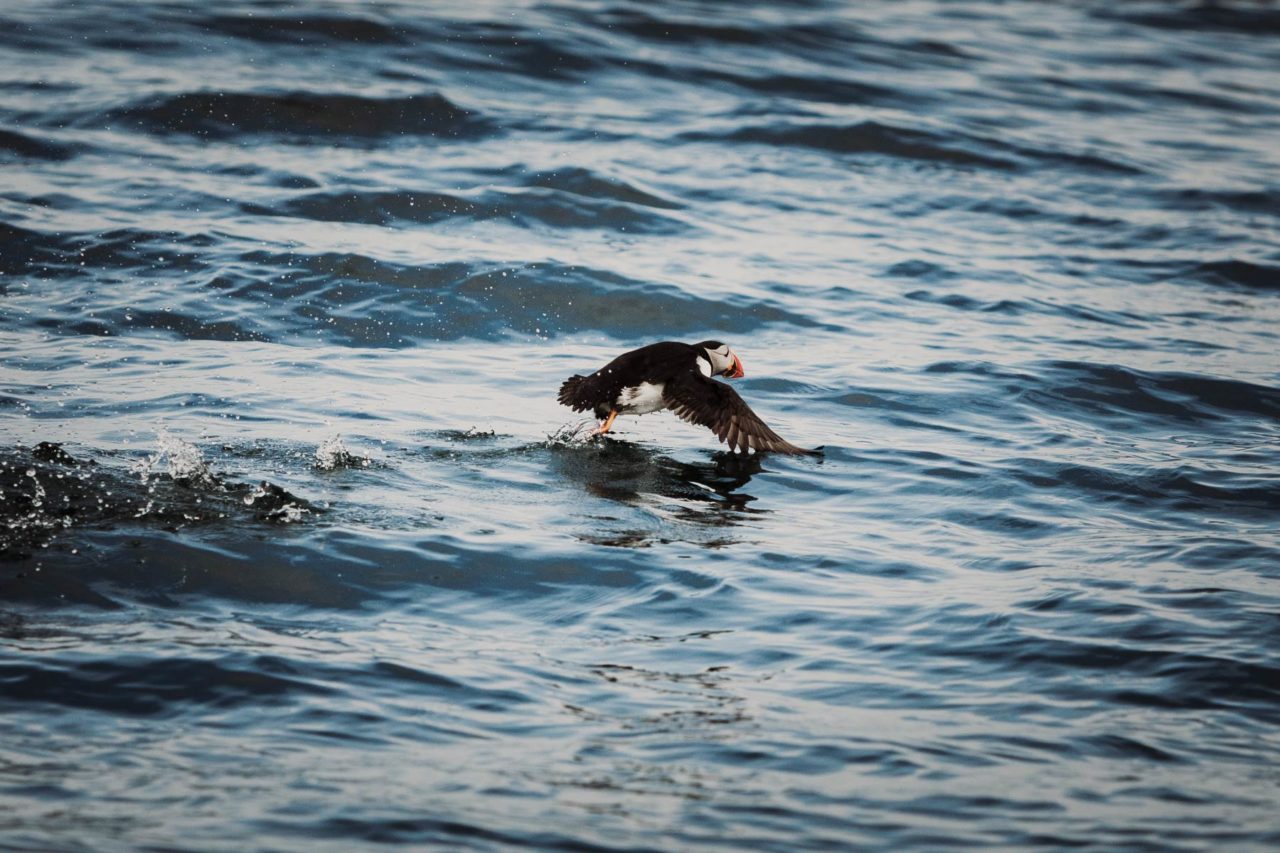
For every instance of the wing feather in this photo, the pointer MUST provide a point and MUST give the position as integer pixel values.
(706, 402)
(577, 393)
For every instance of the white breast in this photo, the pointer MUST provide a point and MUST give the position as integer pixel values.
(641, 399)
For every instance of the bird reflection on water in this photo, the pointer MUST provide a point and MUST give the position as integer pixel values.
(627, 494)
(679, 494)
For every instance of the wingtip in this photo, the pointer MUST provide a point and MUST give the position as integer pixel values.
(803, 451)
(786, 449)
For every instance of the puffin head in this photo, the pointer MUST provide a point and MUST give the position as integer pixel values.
(716, 358)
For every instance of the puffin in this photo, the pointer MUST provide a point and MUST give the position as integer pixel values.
(676, 376)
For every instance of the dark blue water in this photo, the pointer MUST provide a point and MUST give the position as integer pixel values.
(296, 554)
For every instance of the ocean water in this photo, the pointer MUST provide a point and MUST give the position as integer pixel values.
(299, 551)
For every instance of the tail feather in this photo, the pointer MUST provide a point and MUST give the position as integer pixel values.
(571, 394)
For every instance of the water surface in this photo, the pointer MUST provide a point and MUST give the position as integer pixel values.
(297, 554)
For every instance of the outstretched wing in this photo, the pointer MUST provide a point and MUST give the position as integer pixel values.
(706, 402)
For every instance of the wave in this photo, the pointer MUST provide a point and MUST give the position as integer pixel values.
(1153, 677)
(306, 28)
(1235, 274)
(1264, 201)
(549, 207)
(1016, 307)
(1155, 491)
(361, 301)
(826, 88)
(153, 687)
(589, 184)
(867, 137)
(1245, 18)
(45, 490)
(22, 146)
(299, 117)
(358, 300)
(1122, 397)
(22, 250)
(75, 254)
(525, 54)
(1111, 392)
(810, 38)
(878, 138)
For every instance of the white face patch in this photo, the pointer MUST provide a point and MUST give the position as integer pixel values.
(720, 361)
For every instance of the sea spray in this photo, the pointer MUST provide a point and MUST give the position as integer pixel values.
(272, 503)
(184, 461)
(333, 453)
(578, 433)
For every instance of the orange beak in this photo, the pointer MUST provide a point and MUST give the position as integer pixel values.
(738, 372)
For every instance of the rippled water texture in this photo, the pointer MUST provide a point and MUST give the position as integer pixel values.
(299, 551)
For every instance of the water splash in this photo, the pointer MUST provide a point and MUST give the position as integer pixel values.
(275, 504)
(333, 453)
(34, 502)
(185, 463)
(579, 433)
(38, 496)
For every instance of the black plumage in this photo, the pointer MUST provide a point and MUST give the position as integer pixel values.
(672, 370)
(655, 363)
